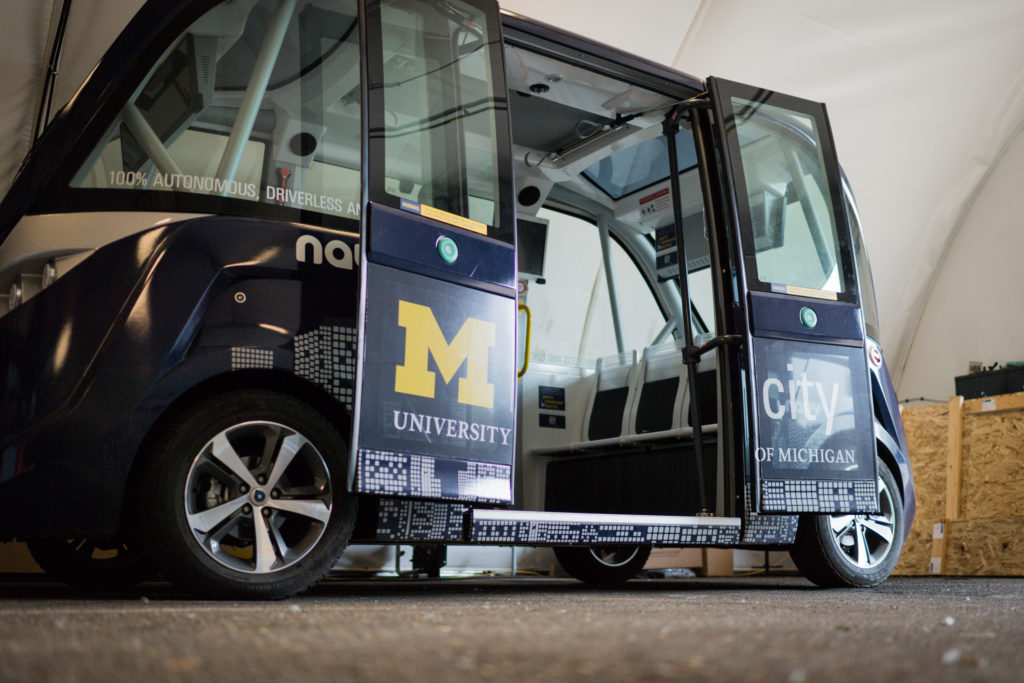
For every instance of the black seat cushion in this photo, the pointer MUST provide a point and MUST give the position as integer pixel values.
(606, 414)
(654, 411)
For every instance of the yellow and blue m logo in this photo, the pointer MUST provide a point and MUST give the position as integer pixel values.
(424, 338)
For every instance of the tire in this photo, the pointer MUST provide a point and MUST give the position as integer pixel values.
(603, 565)
(86, 563)
(245, 497)
(853, 551)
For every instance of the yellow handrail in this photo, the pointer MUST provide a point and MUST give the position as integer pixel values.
(526, 349)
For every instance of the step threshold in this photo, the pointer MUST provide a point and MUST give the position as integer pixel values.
(518, 527)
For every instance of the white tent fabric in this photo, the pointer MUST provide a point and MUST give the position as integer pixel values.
(926, 99)
(28, 30)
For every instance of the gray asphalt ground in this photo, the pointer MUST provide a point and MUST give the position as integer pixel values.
(737, 629)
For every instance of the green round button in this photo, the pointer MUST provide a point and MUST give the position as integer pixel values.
(808, 317)
(447, 249)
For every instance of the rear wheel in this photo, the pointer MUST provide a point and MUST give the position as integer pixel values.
(88, 563)
(604, 565)
(853, 551)
(247, 497)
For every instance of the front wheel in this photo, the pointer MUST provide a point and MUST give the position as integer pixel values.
(246, 497)
(853, 551)
(603, 565)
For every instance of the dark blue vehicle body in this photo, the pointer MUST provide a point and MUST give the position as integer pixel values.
(156, 321)
(91, 364)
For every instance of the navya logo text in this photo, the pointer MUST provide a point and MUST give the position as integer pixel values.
(338, 252)
(423, 338)
(802, 399)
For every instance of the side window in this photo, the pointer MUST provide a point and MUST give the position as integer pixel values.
(865, 282)
(702, 298)
(256, 101)
(572, 310)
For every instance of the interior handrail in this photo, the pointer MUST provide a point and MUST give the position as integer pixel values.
(526, 349)
(696, 352)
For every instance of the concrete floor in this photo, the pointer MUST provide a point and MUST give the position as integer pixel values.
(759, 628)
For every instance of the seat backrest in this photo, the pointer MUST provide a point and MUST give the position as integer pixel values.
(662, 395)
(614, 394)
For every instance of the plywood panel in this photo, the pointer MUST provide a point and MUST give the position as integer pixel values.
(671, 558)
(993, 464)
(927, 429)
(917, 551)
(992, 547)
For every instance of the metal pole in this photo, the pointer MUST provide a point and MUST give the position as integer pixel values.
(668, 329)
(725, 300)
(43, 117)
(148, 138)
(671, 127)
(256, 91)
(609, 276)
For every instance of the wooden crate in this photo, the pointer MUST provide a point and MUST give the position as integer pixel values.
(968, 462)
(991, 546)
(706, 561)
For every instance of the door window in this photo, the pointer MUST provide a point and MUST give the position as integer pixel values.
(792, 240)
(435, 139)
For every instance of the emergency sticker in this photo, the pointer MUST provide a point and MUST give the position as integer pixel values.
(444, 216)
(654, 203)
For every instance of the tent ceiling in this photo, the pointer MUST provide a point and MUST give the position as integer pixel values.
(924, 96)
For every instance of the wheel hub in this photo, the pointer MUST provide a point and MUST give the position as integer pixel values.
(258, 497)
(867, 538)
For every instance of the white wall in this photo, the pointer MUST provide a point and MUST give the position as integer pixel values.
(976, 307)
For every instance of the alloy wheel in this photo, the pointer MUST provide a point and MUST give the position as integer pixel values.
(258, 497)
(866, 540)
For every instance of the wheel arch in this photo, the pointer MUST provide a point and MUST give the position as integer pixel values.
(886, 447)
(271, 380)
